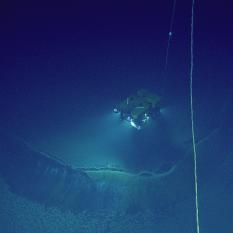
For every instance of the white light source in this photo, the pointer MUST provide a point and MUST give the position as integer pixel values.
(134, 125)
(115, 110)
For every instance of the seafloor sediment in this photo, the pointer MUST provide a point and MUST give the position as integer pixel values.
(17, 214)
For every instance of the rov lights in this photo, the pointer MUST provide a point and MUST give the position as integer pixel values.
(138, 127)
(139, 108)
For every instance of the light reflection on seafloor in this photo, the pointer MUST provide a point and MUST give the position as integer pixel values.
(106, 140)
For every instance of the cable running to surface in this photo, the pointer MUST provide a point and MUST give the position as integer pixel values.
(192, 121)
(170, 34)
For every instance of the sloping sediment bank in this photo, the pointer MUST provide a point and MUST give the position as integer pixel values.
(47, 180)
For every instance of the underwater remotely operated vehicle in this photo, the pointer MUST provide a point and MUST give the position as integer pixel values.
(139, 108)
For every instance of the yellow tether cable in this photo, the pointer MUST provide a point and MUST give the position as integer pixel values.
(193, 131)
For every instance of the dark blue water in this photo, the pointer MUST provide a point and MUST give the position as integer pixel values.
(63, 70)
